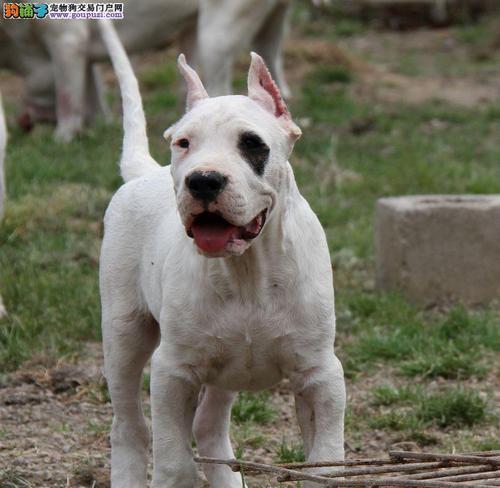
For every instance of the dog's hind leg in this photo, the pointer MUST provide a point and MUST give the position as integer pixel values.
(129, 340)
(268, 43)
(225, 28)
(97, 103)
(211, 431)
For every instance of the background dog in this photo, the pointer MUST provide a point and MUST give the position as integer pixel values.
(56, 56)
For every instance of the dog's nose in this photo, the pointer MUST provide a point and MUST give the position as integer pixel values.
(205, 185)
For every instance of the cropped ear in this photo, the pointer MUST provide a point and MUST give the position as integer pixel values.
(195, 89)
(263, 90)
(169, 131)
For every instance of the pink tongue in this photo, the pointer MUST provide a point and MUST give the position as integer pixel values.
(212, 235)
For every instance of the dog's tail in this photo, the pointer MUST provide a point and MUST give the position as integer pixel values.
(3, 144)
(136, 159)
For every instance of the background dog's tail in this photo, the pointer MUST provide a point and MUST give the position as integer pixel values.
(136, 159)
(3, 144)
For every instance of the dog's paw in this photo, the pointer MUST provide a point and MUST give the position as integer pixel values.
(68, 129)
(63, 135)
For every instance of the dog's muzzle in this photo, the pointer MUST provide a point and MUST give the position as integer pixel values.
(213, 234)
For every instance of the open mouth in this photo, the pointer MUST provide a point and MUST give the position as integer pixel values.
(212, 232)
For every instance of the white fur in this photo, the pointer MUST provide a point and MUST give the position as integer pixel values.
(3, 144)
(135, 159)
(244, 320)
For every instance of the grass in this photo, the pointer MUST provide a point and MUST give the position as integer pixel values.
(457, 345)
(58, 194)
(290, 453)
(415, 409)
(10, 478)
(252, 407)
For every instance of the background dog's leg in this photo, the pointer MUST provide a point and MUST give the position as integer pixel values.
(268, 43)
(96, 99)
(211, 431)
(174, 396)
(128, 344)
(320, 400)
(225, 27)
(67, 48)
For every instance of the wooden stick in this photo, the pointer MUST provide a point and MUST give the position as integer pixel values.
(370, 482)
(482, 453)
(347, 462)
(447, 472)
(455, 458)
(265, 468)
(475, 476)
(292, 475)
(368, 462)
(384, 469)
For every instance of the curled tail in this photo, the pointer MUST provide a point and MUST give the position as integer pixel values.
(136, 159)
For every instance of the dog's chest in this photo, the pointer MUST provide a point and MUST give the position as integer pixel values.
(237, 341)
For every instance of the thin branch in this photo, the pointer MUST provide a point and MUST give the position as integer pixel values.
(384, 469)
(455, 458)
(264, 468)
(448, 472)
(285, 474)
(347, 462)
(482, 453)
(475, 476)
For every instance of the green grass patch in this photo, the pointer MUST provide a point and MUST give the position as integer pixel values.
(386, 395)
(414, 409)
(331, 74)
(456, 345)
(290, 453)
(252, 407)
(453, 408)
(487, 445)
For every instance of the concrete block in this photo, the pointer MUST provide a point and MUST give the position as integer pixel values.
(439, 248)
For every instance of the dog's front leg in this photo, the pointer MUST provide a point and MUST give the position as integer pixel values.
(320, 402)
(174, 394)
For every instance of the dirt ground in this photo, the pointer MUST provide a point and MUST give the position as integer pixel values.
(55, 419)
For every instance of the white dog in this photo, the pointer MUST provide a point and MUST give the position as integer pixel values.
(59, 53)
(216, 267)
(3, 144)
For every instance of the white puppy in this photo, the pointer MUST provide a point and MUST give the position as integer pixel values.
(216, 267)
(3, 144)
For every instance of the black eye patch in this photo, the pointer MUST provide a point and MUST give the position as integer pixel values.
(254, 150)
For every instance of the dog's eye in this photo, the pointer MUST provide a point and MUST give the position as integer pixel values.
(251, 141)
(184, 143)
(254, 150)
